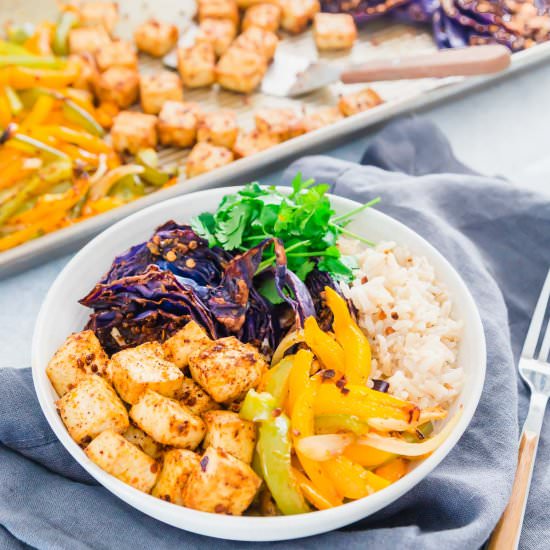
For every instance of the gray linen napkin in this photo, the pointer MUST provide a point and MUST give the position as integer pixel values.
(496, 236)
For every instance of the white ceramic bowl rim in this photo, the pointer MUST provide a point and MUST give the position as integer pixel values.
(246, 528)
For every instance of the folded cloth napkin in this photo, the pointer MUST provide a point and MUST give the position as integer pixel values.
(494, 234)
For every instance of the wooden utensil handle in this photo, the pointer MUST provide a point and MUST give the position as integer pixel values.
(453, 62)
(506, 533)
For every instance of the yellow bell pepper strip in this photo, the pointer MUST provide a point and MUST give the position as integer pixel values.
(275, 380)
(338, 423)
(39, 42)
(392, 471)
(148, 158)
(101, 188)
(325, 348)
(16, 106)
(274, 452)
(368, 457)
(5, 110)
(104, 204)
(313, 496)
(299, 377)
(10, 48)
(357, 352)
(21, 78)
(105, 113)
(40, 110)
(10, 207)
(352, 480)
(77, 114)
(32, 61)
(60, 43)
(86, 141)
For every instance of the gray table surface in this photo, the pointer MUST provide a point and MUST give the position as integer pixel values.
(503, 129)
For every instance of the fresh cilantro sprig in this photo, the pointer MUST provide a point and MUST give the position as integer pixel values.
(303, 220)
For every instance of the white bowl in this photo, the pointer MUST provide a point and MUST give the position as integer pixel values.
(61, 314)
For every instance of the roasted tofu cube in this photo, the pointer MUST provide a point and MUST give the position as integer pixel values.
(221, 484)
(177, 465)
(205, 157)
(245, 4)
(118, 85)
(197, 65)
(282, 124)
(90, 408)
(250, 143)
(259, 41)
(218, 32)
(87, 71)
(192, 396)
(334, 31)
(321, 117)
(351, 104)
(133, 131)
(167, 421)
(226, 430)
(157, 88)
(240, 70)
(227, 368)
(88, 39)
(264, 16)
(218, 9)
(118, 53)
(81, 354)
(118, 457)
(297, 14)
(136, 369)
(155, 37)
(178, 347)
(219, 128)
(177, 124)
(103, 14)
(144, 442)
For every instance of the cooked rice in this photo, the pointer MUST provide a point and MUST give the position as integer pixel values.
(407, 315)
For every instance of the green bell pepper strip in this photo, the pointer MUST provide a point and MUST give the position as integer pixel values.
(128, 188)
(57, 171)
(17, 34)
(9, 208)
(16, 106)
(335, 423)
(32, 61)
(75, 113)
(149, 160)
(9, 48)
(421, 433)
(273, 451)
(40, 146)
(277, 383)
(60, 42)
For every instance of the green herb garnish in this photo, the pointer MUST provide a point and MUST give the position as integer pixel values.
(303, 220)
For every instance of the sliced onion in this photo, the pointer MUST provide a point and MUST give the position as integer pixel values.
(101, 169)
(290, 339)
(396, 425)
(324, 447)
(400, 447)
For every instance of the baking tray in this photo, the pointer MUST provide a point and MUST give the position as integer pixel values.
(378, 39)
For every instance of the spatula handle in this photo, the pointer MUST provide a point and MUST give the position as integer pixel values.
(472, 60)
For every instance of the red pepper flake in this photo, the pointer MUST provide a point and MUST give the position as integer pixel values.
(277, 412)
(154, 467)
(420, 435)
(204, 463)
(328, 374)
(394, 315)
(344, 391)
(342, 382)
(295, 432)
(220, 509)
(364, 279)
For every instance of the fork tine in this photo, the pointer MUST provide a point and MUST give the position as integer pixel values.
(545, 348)
(533, 334)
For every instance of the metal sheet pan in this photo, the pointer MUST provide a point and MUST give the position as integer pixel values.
(379, 39)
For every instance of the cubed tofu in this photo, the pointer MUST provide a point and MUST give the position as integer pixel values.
(334, 31)
(88, 39)
(177, 124)
(240, 70)
(156, 88)
(265, 16)
(250, 143)
(218, 32)
(81, 354)
(167, 421)
(219, 128)
(118, 457)
(156, 37)
(323, 116)
(87, 71)
(176, 468)
(298, 13)
(245, 4)
(133, 131)
(118, 53)
(351, 104)
(226, 430)
(192, 337)
(144, 442)
(221, 484)
(205, 157)
(218, 9)
(90, 408)
(136, 369)
(282, 124)
(227, 368)
(197, 65)
(192, 396)
(103, 14)
(259, 41)
(118, 85)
